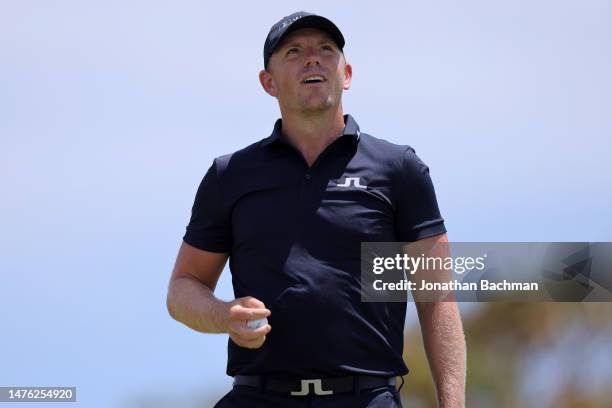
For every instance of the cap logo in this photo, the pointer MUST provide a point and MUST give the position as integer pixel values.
(286, 23)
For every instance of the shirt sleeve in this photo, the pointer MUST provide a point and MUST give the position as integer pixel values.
(417, 212)
(209, 228)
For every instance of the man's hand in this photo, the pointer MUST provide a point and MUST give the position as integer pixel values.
(239, 312)
(191, 300)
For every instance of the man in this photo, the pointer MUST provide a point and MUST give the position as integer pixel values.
(290, 212)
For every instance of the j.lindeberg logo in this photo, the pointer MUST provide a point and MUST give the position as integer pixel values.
(354, 180)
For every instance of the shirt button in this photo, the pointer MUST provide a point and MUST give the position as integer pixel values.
(307, 176)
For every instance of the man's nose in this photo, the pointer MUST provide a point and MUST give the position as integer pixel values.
(312, 57)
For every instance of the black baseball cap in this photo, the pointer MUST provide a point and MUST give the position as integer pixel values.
(295, 21)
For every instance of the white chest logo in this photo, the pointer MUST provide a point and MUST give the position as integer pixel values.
(354, 181)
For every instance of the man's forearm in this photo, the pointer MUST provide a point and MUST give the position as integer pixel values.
(444, 343)
(194, 304)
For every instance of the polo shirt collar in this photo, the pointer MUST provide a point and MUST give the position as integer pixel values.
(351, 128)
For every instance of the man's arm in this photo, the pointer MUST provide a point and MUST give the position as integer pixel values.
(191, 300)
(441, 327)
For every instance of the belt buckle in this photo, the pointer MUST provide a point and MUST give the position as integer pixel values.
(317, 387)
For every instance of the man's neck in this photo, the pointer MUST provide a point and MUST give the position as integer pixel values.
(312, 134)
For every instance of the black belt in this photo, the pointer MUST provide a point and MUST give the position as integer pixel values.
(316, 386)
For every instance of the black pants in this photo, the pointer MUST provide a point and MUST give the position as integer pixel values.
(250, 397)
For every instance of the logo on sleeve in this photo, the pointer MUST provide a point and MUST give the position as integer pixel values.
(351, 180)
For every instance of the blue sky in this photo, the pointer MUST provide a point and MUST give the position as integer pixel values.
(110, 113)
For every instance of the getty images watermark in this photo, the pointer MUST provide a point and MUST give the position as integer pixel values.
(469, 271)
(433, 264)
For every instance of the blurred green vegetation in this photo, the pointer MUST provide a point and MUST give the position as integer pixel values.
(525, 355)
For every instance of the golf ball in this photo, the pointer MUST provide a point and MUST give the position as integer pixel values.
(256, 324)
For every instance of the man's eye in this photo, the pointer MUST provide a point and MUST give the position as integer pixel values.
(327, 48)
(292, 50)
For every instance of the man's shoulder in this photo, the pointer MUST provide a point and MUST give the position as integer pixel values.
(383, 144)
(246, 158)
(384, 151)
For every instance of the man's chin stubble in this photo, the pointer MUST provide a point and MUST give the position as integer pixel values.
(318, 109)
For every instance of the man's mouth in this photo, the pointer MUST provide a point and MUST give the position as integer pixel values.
(313, 79)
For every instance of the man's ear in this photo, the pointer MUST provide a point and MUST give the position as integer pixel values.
(267, 82)
(348, 76)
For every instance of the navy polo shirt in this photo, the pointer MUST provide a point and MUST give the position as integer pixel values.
(294, 236)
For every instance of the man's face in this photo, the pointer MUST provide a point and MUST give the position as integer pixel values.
(307, 72)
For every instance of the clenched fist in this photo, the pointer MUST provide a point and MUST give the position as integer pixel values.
(239, 312)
